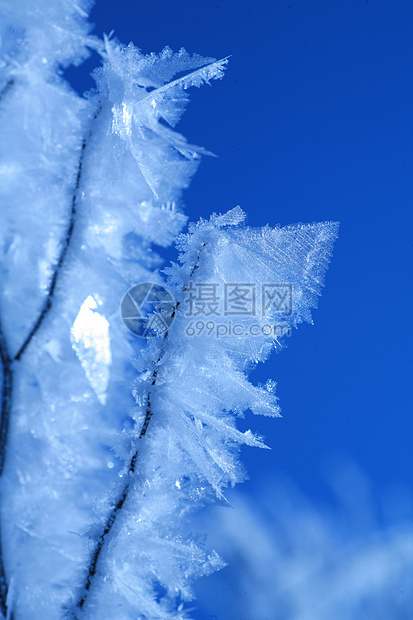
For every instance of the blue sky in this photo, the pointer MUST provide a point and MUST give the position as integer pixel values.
(312, 122)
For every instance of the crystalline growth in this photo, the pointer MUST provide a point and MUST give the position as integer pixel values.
(108, 441)
(85, 194)
(279, 271)
(192, 388)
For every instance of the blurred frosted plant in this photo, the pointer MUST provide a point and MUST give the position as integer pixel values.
(292, 560)
(108, 442)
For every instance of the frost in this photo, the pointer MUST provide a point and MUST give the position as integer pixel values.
(136, 113)
(109, 443)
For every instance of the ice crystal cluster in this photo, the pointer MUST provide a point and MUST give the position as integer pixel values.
(109, 442)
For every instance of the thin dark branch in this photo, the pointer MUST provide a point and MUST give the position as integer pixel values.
(3, 583)
(99, 545)
(131, 470)
(7, 360)
(48, 302)
(6, 401)
(149, 411)
(66, 243)
(6, 397)
(109, 523)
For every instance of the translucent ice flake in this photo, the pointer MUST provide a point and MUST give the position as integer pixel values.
(111, 169)
(91, 342)
(146, 104)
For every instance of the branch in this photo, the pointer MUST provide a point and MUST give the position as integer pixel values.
(131, 469)
(6, 402)
(48, 302)
(6, 396)
(7, 361)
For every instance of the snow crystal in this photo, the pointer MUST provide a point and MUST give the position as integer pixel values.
(113, 441)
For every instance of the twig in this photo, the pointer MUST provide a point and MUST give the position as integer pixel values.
(6, 402)
(6, 397)
(48, 302)
(7, 361)
(131, 470)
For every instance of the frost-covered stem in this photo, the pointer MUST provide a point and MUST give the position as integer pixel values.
(6, 400)
(149, 411)
(110, 521)
(3, 586)
(117, 508)
(4, 353)
(7, 360)
(132, 467)
(69, 233)
(95, 557)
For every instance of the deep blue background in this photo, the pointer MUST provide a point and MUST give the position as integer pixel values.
(312, 122)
